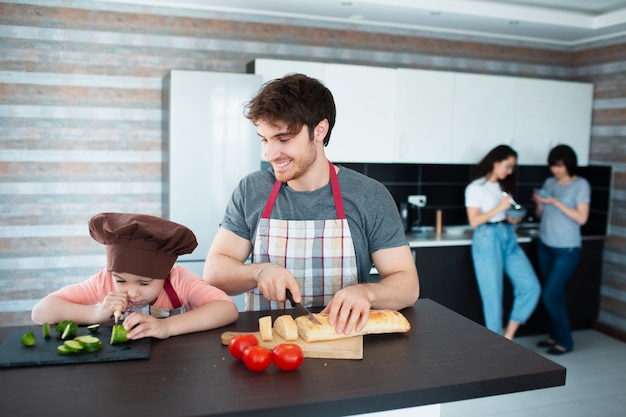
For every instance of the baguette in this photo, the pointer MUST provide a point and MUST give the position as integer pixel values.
(285, 327)
(380, 321)
(265, 328)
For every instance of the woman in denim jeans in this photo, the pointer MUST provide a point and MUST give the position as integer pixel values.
(494, 246)
(563, 205)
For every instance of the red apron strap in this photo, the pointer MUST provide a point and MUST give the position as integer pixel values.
(269, 205)
(334, 184)
(167, 286)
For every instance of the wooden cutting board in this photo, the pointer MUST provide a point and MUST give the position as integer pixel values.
(348, 348)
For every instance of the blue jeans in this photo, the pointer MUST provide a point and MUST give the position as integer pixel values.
(495, 252)
(556, 266)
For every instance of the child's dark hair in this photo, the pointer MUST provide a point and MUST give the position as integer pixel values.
(485, 166)
(566, 155)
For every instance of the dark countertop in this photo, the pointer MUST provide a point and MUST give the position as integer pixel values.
(445, 357)
(425, 237)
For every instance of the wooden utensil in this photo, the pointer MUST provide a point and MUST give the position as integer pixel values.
(349, 348)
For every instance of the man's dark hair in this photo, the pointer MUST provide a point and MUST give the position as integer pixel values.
(295, 100)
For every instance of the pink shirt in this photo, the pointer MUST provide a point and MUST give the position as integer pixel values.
(192, 290)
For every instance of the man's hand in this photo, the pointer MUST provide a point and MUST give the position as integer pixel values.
(273, 282)
(349, 309)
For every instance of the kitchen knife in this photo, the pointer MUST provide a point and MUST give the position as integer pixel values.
(302, 309)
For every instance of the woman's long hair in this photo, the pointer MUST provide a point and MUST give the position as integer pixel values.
(485, 166)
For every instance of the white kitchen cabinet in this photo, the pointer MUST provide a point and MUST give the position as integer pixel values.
(424, 116)
(270, 69)
(365, 101)
(549, 113)
(210, 146)
(484, 115)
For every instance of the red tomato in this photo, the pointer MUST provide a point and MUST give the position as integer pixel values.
(287, 356)
(257, 358)
(239, 343)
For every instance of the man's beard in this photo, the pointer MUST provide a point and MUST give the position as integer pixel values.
(298, 168)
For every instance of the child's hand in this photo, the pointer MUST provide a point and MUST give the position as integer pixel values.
(114, 301)
(145, 325)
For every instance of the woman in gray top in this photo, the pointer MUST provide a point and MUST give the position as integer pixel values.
(563, 206)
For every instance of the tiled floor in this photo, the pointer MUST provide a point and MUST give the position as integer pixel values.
(595, 384)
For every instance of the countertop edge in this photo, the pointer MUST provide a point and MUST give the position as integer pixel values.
(439, 241)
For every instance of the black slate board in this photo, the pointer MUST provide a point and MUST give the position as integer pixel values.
(44, 352)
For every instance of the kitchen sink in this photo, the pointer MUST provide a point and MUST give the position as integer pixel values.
(527, 229)
(422, 232)
(426, 232)
(463, 230)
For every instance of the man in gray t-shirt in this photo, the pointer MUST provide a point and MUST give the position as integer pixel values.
(312, 227)
(372, 214)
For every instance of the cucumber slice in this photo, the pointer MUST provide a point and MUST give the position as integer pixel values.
(89, 343)
(93, 328)
(28, 339)
(93, 348)
(86, 339)
(73, 346)
(61, 326)
(118, 334)
(70, 331)
(45, 329)
(66, 332)
(63, 350)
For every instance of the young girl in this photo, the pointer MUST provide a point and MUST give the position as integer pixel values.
(141, 279)
(494, 246)
(563, 209)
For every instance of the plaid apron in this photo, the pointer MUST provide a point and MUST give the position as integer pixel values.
(319, 253)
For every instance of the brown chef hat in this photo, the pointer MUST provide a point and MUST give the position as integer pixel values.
(140, 244)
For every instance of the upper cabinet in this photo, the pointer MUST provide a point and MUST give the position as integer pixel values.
(421, 116)
(424, 116)
(550, 113)
(365, 113)
(363, 129)
(483, 117)
(270, 69)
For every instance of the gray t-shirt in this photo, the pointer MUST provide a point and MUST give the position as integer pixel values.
(372, 214)
(556, 229)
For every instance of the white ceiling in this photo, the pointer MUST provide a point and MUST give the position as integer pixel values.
(558, 22)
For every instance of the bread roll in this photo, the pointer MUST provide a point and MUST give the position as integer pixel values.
(265, 328)
(380, 321)
(285, 327)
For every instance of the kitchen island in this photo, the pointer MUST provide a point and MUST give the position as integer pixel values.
(445, 357)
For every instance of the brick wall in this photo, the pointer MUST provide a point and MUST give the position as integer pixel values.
(605, 67)
(80, 132)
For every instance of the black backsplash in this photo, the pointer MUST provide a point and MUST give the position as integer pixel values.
(444, 187)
